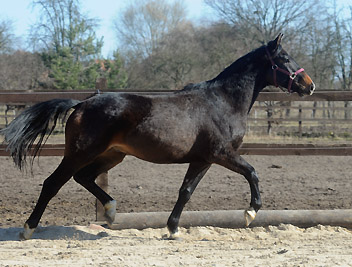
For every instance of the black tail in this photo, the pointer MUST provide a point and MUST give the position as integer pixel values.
(31, 123)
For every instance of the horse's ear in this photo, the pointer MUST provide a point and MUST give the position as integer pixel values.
(274, 45)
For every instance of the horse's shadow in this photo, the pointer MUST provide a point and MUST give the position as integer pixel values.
(52, 233)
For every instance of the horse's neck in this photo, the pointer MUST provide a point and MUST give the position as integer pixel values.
(242, 81)
(258, 87)
(241, 91)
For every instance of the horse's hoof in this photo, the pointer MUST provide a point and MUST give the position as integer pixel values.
(174, 236)
(110, 212)
(249, 216)
(27, 232)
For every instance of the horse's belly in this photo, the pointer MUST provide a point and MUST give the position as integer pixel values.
(154, 154)
(156, 149)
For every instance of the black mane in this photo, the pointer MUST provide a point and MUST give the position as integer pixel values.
(241, 65)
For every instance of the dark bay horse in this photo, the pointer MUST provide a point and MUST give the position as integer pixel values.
(202, 124)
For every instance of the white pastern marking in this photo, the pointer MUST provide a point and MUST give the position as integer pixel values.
(110, 211)
(249, 216)
(174, 236)
(27, 232)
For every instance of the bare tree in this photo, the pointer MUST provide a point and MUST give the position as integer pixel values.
(259, 21)
(188, 54)
(61, 24)
(315, 50)
(6, 36)
(143, 23)
(343, 50)
(160, 56)
(22, 71)
(219, 46)
(343, 46)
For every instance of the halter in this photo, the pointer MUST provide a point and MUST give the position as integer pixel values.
(275, 68)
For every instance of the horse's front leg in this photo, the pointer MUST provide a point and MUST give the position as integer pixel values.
(195, 173)
(236, 163)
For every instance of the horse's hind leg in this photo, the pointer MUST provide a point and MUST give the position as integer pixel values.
(237, 164)
(194, 174)
(87, 175)
(51, 186)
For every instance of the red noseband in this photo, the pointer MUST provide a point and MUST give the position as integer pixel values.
(275, 68)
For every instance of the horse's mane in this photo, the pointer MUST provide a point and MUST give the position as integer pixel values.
(241, 64)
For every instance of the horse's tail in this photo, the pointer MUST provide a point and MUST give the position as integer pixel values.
(37, 121)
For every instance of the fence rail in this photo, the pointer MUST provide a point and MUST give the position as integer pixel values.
(25, 97)
(13, 99)
(260, 117)
(246, 149)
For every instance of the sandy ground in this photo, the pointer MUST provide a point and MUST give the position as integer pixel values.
(284, 245)
(289, 182)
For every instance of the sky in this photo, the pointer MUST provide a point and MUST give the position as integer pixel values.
(23, 15)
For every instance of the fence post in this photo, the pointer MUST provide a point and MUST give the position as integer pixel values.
(269, 113)
(102, 179)
(300, 121)
(103, 182)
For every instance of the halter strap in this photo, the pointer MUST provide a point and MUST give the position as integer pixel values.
(276, 68)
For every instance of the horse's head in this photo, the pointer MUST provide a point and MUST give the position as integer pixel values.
(284, 72)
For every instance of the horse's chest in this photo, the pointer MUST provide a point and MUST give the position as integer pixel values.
(231, 128)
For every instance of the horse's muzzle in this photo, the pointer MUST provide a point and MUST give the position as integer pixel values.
(306, 89)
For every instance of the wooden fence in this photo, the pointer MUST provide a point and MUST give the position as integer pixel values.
(266, 114)
(25, 98)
